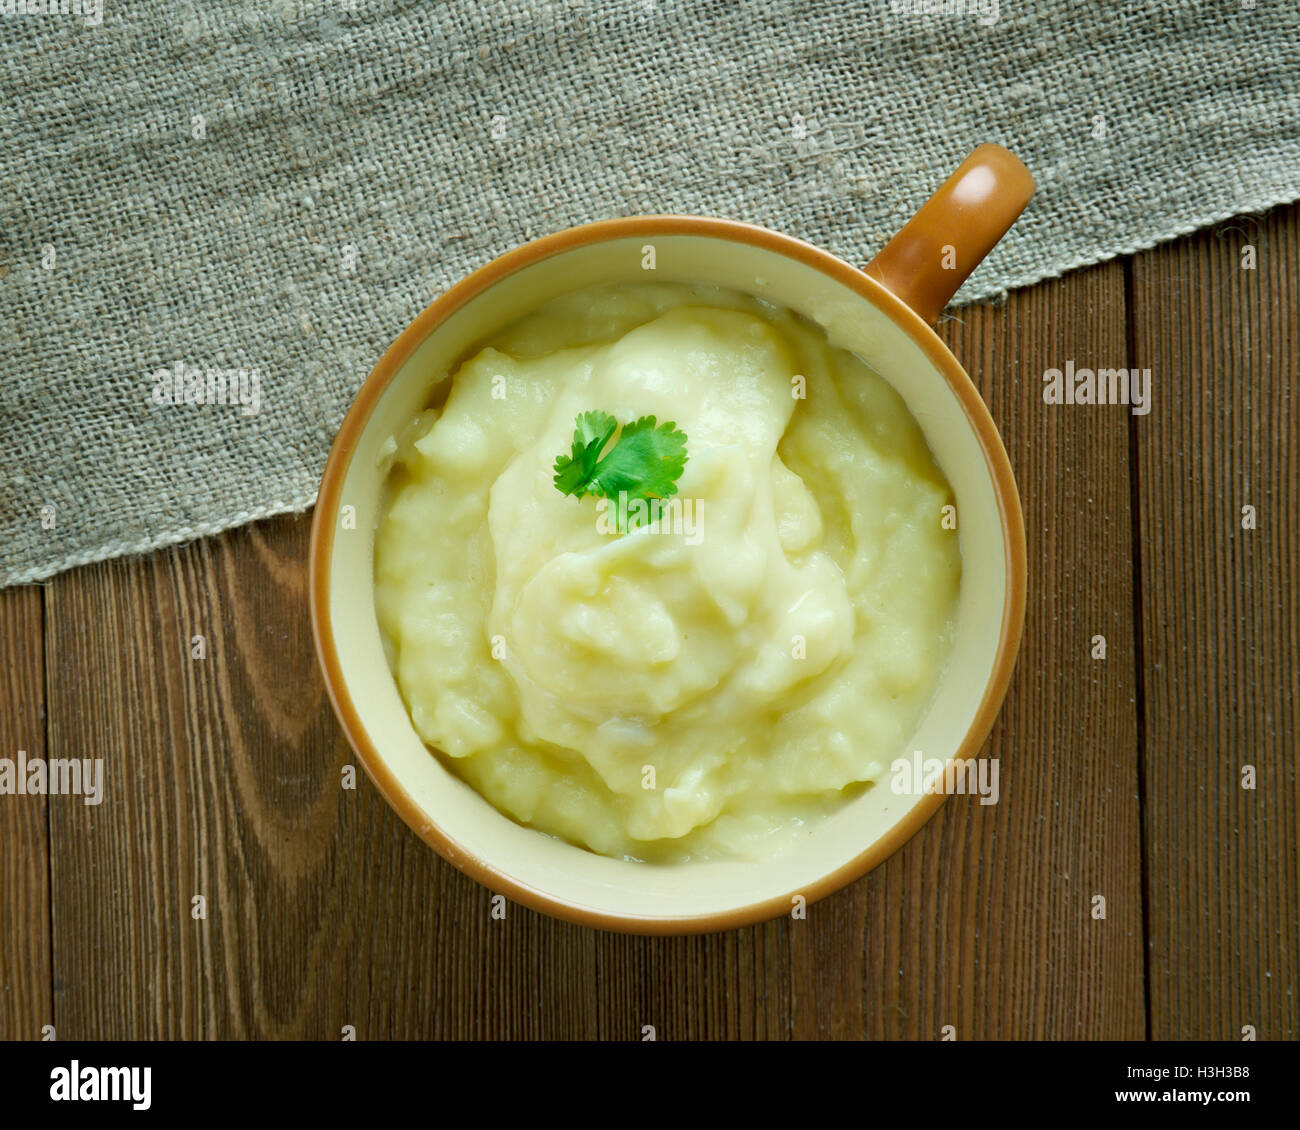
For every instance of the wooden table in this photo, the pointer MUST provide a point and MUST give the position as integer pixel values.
(1121, 777)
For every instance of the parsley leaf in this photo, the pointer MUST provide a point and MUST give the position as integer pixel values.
(573, 472)
(645, 461)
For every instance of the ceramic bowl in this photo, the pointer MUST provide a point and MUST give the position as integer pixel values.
(883, 314)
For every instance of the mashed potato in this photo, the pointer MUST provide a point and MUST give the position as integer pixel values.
(697, 688)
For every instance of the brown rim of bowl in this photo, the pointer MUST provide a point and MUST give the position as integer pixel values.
(340, 457)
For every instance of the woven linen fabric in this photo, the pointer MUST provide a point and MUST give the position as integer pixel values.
(278, 188)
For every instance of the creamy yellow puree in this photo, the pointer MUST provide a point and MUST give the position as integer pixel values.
(697, 689)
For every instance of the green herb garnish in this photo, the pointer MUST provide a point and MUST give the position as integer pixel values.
(645, 460)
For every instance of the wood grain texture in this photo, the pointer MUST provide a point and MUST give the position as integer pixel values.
(1221, 626)
(1014, 885)
(324, 911)
(225, 782)
(25, 1000)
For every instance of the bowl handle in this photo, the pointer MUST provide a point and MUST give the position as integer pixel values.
(936, 249)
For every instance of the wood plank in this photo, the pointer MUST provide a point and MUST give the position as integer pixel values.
(128, 955)
(983, 921)
(325, 911)
(224, 782)
(26, 1004)
(1221, 626)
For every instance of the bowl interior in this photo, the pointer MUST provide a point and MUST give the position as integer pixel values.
(535, 868)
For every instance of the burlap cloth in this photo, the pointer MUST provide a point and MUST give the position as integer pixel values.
(281, 187)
